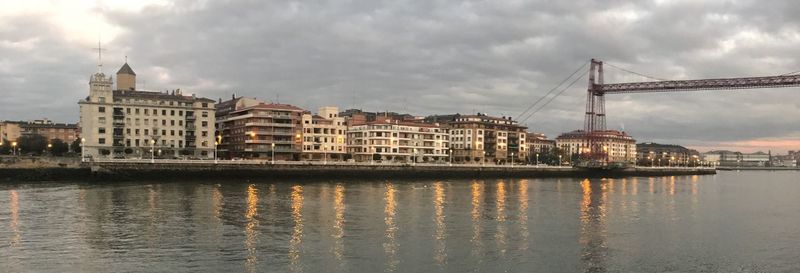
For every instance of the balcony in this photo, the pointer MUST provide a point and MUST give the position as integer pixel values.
(269, 124)
(191, 118)
(118, 123)
(265, 141)
(190, 127)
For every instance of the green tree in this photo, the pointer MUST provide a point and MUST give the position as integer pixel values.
(76, 146)
(58, 147)
(5, 147)
(32, 144)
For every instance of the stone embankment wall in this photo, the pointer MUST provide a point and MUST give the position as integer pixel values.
(206, 171)
(134, 171)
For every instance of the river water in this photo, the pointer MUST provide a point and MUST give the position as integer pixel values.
(730, 222)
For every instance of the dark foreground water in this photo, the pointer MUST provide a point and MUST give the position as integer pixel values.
(731, 222)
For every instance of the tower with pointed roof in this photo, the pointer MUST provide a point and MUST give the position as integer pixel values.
(126, 78)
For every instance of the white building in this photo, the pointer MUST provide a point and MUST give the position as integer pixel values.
(125, 123)
(324, 135)
(398, 141)
(617, 146)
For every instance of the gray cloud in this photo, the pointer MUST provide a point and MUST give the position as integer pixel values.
(428, 57)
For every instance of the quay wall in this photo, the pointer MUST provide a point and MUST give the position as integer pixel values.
(115, 171)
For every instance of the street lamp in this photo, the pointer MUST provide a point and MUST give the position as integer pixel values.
(216, 143)
(673, 160)
(153, 151)
(83, 154)
(512, 160)
(483, 158)
(559, 161)
(273, 152)
(450, 155)
(14, 148)
(49, 147)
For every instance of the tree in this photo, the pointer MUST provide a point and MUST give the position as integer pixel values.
(376, 156)
(32, 144)
(5, 147)
(76, 146)
(58, 147)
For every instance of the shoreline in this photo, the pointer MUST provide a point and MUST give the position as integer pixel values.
(144, 170)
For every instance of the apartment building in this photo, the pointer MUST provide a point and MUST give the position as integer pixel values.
(485, 139)
(391, 140)
(618, 146)
(324, 135)
(122, 122)
(10, 130)
(539, 144)
(51, 130)
(248, 128)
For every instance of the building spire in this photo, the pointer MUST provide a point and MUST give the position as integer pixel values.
(100, 56)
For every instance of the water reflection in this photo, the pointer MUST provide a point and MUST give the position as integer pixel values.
(593, 229)
(523, 214)
(440, 250)
(13, 225)
(390, 246)
(250, 229)
(477, 243)
(297, 233)
(338, 224)
(500, 206)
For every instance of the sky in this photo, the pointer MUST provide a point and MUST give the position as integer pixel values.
(423, 57)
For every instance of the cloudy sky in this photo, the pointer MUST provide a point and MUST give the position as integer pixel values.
(422, 57)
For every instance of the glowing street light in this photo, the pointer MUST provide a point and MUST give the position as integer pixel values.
(14, 148)
(272, 145)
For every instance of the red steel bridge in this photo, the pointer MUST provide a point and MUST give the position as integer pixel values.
(595, 121)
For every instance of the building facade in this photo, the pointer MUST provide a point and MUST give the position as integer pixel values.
(324, 135)
(485, 139)
(10, 130)
(248, 128)
(126, 123)
(654, 154)
(617, 146)
(398, 141)
(539, 144)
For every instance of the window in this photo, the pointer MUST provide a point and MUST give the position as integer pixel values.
(204, 133)
(163, 122)
(180, 113)
(101, 120)
(172, 132)
(205, 105)
(128, 131)
(205, 114)
(180, 133)
(180, 123)
(172, 112)
(102, 99)
(137, 132)
(128, 111)
(101, 141)
(146, 112)
(163, 132)
(155, 112)
(101, 130)
(146, 132)
(205, 123)
(172, 122)
(101, 109)
(163, 112)
(137, 111)
(137, 143)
